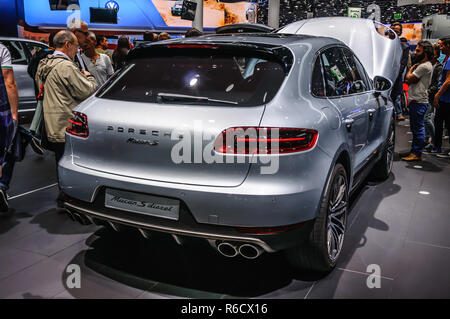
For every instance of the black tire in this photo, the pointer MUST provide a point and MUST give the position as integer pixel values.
(383, 167)
(404, 103)
(314, 254)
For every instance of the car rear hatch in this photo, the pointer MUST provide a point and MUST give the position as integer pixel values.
(157, 117)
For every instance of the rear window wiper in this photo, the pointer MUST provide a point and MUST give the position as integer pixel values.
(170, 97)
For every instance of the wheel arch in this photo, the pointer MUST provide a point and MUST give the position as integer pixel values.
(342, 156)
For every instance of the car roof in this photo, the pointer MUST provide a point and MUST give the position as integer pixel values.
(22, 39)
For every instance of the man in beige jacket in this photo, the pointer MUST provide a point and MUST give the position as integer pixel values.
(64, 87)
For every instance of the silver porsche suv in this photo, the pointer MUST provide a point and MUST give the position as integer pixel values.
(253, 142)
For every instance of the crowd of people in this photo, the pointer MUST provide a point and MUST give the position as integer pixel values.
(428, 77)
(66, 73)
(77, 62)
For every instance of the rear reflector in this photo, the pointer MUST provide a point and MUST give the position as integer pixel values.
(265, 140)
(78, 125)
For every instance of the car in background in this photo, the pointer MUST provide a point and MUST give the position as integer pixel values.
(21, 51)
(244, 28)
(177, 8)
(310, 107)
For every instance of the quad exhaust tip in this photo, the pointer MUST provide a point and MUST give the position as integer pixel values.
(227, 249)
(248, 251)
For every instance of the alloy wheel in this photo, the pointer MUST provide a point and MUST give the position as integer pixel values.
(337, 214)
(390, 149)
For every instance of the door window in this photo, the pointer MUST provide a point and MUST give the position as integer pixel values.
(33, 47)
(356, 71)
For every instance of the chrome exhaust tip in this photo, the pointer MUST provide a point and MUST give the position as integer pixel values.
(250, 251)
(227, 249)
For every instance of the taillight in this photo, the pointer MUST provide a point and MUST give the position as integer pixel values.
(78, 125)
(265, 140)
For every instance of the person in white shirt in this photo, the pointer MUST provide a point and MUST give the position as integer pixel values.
(98, 64)
(9, 102)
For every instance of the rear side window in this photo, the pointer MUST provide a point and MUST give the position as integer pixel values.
(216, 79)
(17, 52)
(337, 82)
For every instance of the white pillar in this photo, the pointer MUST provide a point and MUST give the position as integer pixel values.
(198, 21)
(274, 13)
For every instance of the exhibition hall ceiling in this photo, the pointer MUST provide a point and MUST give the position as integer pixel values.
(294, 10)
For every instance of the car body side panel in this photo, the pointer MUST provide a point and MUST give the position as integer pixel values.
(25, 84)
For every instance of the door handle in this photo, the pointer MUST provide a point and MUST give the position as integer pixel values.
(371, 112)
(348, 122)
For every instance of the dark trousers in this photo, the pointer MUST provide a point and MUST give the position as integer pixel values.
(59, 151)
(7, 171)
(416, 120)
(58, 148)
(442, 117)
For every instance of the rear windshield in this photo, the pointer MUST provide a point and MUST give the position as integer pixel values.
(215, 78)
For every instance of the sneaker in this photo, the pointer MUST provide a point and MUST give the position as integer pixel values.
(443, 155)
(400, 118)
(412, 157)
(36, 147)
(3, 202)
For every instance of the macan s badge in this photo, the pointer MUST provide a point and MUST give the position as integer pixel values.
(132, 140)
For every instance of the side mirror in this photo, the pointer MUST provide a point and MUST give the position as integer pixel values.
(381, 84)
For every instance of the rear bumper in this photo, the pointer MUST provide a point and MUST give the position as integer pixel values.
(287, 198)
(186, 226)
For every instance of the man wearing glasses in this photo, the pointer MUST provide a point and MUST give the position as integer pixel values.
(81, 31)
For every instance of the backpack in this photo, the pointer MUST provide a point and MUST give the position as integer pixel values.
(34, 64)
(37, 127)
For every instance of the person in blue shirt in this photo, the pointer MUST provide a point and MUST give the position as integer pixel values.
(442, 100)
